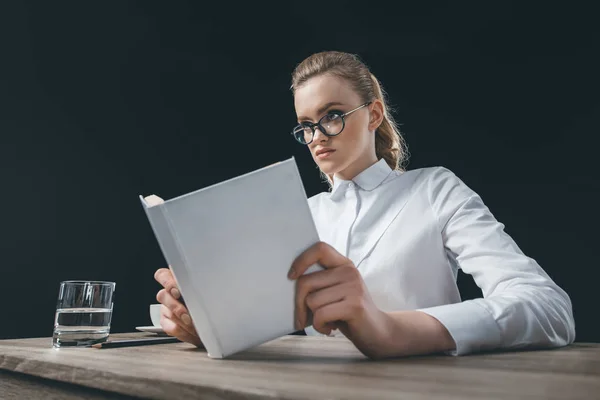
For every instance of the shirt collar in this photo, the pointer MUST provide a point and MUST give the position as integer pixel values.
(368, 179)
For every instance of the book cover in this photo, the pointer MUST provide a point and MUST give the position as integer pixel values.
(230, 246)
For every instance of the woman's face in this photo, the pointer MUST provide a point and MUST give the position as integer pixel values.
(354, 148)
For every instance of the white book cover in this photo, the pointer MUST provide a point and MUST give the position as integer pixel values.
(230, 246)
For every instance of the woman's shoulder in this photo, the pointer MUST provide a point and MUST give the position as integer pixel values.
(439, 185)
(443, 188)
(431, 173)
(428, 178)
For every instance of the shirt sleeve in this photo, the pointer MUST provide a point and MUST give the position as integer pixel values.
(521, 305)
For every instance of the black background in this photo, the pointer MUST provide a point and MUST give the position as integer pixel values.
(103, 101)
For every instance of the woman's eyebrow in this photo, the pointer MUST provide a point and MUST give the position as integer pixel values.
(323, 109)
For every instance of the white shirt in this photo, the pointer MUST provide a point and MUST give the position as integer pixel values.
(408, 233)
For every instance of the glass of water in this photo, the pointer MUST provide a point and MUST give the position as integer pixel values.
(83, 313)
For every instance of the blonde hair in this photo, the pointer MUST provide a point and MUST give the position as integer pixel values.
(389, 143)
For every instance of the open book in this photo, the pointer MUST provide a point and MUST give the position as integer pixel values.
(230, 246)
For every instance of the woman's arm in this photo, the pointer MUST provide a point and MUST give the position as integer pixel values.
(522, 306)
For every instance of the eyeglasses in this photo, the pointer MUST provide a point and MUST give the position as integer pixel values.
(332, 124)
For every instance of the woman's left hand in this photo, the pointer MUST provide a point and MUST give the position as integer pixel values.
(338, 299)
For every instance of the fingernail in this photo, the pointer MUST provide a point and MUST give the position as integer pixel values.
(175, 293)
(186, 319)
(291, 273)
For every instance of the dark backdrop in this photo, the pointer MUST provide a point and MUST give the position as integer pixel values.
(103, 101)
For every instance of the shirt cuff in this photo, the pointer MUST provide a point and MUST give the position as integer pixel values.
(471, 326)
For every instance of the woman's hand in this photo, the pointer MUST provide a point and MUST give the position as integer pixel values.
(174, 316)
(339, 299)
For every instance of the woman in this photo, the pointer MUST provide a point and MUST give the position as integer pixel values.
(393, 240)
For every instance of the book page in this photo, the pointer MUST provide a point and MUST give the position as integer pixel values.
(153, 200)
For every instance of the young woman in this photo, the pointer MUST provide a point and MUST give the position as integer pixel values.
(393, 240)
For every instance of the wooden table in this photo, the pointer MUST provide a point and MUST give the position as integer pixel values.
(292, 367)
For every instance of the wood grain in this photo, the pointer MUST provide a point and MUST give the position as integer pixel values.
(20, 386)
(300, 367)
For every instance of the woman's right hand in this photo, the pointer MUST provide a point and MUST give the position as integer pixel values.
(175, 319)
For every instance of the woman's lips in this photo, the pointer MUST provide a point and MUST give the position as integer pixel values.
(325, 154)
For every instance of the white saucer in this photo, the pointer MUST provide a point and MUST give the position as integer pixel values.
(152, 329)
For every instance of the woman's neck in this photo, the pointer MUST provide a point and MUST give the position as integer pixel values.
(355, 168)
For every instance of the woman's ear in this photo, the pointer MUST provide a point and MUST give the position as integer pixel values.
(376, 115)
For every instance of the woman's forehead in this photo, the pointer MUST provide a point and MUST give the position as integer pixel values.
(321, 90)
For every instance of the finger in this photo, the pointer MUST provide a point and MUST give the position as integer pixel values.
(316, 281)
(174, 305)
(188, 326)
(328, 317)
(320, 253)
(171, 328)
(164, 276)
(333, 294)
(305, 285)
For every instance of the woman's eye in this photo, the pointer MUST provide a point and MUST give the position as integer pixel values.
(333, 115)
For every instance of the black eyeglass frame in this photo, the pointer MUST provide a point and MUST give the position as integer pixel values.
(321, 127)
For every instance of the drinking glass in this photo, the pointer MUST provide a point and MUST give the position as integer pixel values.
(83, 313)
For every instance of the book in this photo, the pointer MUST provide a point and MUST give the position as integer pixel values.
(230, 246)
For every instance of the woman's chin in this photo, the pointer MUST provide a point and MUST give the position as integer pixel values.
(327, 168)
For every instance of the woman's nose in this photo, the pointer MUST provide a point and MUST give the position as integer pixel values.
(319, 135)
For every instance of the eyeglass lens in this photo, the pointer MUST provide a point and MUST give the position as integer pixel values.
(332, 123)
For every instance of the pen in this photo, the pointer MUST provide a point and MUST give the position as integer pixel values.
(134, 342)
